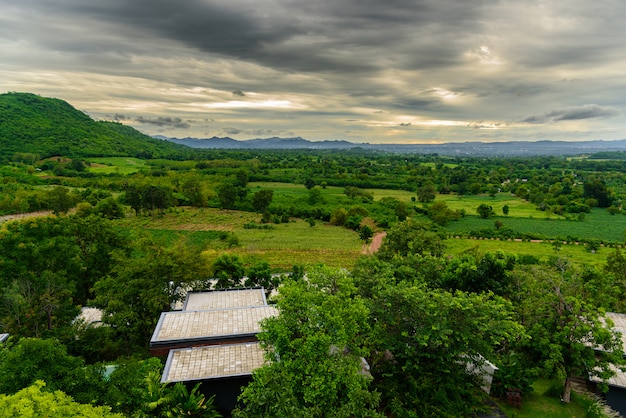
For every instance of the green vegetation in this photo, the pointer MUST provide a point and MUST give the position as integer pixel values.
(510, 260)
(50, 127)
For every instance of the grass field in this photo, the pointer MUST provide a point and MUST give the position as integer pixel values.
(283, 246)
(542, 250)
(115, 165)
(598, 224)
(539, 404)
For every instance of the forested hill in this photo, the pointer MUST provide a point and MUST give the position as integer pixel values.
(48, 127)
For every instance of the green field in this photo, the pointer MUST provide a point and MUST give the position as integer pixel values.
(542, 250)
(598, 224)
(115, 165)
(283, 246)
(542, 404)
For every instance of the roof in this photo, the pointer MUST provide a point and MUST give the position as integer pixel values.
(4, 337)
(226, 298)
(210, 325)
(91, 316)
(212, 362)
(619, 321)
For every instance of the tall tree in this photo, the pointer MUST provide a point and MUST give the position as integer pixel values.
(314, 347)
(570, 335)
(423, 341)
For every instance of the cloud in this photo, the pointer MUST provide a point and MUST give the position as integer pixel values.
(232, 131)
(164, 121)
(589, 111)
(314, 67)
(118, 117)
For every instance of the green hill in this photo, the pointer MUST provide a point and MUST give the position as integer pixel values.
(48, 127)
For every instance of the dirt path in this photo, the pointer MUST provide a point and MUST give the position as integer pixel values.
(377, 241)
(17, 216)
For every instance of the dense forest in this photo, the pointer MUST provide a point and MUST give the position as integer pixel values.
(125, 223)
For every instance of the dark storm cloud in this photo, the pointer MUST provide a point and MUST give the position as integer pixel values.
(163, 121)
(344, 35)
(307, 66)
(590, 111)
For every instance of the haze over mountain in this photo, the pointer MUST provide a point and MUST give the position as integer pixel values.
(48, 127)
(513, 148)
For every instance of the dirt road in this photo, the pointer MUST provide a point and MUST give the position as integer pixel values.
(377, 241)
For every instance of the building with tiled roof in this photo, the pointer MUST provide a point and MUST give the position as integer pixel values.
(213, 340)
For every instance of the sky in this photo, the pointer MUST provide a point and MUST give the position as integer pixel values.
(393, 71)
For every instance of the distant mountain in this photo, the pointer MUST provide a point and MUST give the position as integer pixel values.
(469, 149)
(48, 127)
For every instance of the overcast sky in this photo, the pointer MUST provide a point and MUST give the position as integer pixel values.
(393, 71)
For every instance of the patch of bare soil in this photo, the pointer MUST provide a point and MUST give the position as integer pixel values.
(377, 241)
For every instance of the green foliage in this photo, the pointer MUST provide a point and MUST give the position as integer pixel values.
(314, 346)
(565, 324)
(262, 199)
(143, 285)
(422, 342)
(33, 402)
(366, 233)
(228, 270)
(48, 127)
(48, 266)
(485, 211)
(411, 237)
(173, 401)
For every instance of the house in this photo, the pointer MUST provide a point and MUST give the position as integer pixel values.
(213, 341)
(616, 395)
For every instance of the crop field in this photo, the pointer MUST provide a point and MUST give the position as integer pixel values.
(598, 224)
(282, 245)
(116, 165)
(543, 251)
(518, 208)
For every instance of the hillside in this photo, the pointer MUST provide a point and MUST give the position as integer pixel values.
(48, 127)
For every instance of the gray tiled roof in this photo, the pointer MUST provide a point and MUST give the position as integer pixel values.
(619, 321)
(220, 299)
(210, 362)
(197, 325)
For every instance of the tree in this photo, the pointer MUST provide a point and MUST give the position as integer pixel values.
(42, 403)
(314, 349)
(402, 211)
(48, 266)
(569, 334)
(423, 341)
(260, 274)
(315, 196)
(505, 210)
(60, 200)
(228, 270)
(366, 233)
(485, 211)
(262, 199)
(227, 195)
(410, 237)
(309, 183)
(33, 359)
(426, 193)
(439, 213)
(168, 401)
(142, 285)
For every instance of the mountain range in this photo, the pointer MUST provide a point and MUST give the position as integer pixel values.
(48, 127)
(514, 148)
